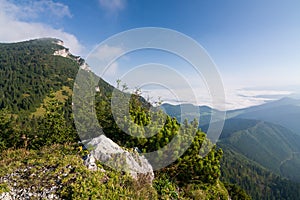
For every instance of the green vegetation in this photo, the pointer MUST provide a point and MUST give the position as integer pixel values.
(194, 175)
(39, 142)
(257, 181)
(62, 165)
(34, 133)
(260, 158)
(29, 70)
(38, 136)
(236, 193)
(276, 148)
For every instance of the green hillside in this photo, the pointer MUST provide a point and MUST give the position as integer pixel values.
(270, 145)
(29, 71)
(258, 156)
(259, 182)
(36, 125)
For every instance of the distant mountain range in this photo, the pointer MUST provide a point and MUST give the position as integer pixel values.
(267, 133)
(189, 112)
(267, 137)
(285, 112)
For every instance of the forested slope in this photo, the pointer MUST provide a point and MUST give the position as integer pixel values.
(31, 73)
(261, 157)
(29, 70)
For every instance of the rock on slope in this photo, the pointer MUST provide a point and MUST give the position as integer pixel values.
(111, 154)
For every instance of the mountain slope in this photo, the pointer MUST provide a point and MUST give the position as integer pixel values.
(48, 66)
(270, 145)
(285, 112)
(257, 154)
(249, 132)
(257, 181)
(29, 70)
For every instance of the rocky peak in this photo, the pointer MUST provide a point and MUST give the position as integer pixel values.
(62, 52)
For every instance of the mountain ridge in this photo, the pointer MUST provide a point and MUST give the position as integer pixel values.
(56, 71)
(263, 144)
(36, 73)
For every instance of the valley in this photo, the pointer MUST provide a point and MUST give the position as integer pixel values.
(264, 136)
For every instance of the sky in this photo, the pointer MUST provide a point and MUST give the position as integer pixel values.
(254, 44)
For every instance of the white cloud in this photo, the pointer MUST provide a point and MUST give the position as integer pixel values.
(56, 9)
(14, 28)
(113, 5)
(243, 98)
(102, 56)
(106, 52)
(33, 9)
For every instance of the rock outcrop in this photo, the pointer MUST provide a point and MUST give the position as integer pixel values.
(62, 52)
(111, 154)
(90, 162)
(85, 66)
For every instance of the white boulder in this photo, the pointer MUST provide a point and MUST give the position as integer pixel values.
(111, 154)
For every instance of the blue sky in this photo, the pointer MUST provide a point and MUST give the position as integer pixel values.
(254, 43)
